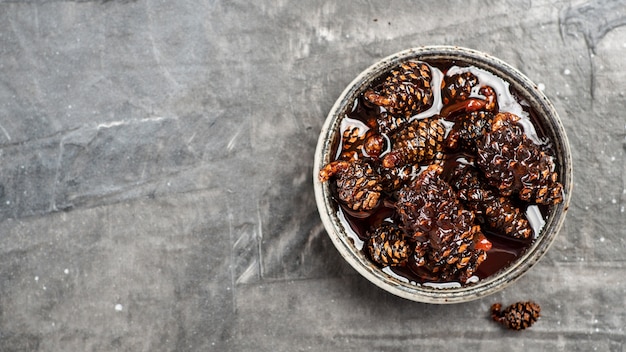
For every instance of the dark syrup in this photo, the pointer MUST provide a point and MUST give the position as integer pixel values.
(504, 250)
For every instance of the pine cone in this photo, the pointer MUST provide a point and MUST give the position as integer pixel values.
(359, 141)
(358, 184)
(514, 164)
(420, 202)
(420, 141)
(396, 177)
(488, 102)
(457, 259)
(445, 234)
(467, 129)
(389, 123)
(406, 91)
(499, 212)
(387, 245)
(352, 140)
(457, 87)
(518, 316)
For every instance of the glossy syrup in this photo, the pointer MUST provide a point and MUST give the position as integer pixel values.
(504, 250)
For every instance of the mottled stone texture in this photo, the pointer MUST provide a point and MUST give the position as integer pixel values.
(156, 175)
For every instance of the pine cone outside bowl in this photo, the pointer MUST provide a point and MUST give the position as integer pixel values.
(343, 237)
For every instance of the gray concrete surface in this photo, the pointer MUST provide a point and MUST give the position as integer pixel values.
(156, 161)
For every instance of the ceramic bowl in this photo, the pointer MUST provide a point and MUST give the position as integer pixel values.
(342, 235)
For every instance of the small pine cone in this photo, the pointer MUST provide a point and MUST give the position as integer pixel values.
(458, 258)
(514, 164)
(396, 177)
(358, 141)
(358, 184)
(502, 215)
(387, 245)
(445, 234)
(419, 141)
(499, 212)
(466, 180)
(406, 91)
(389, 123)
(457, 87)
(518, 316)
(352, 140)
(420, 202)
(488, 102)
(467, 129)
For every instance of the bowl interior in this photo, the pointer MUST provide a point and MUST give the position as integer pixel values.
(342, 236)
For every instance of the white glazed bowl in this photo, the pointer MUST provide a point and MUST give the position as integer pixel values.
(329, 210)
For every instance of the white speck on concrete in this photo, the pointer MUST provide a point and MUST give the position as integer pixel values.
(66, 271)
(621, 209)
(567, 72)
(613, 200)
(541, 86)
(119, 307)
(601, 239)
(326, 34)
(44, 288)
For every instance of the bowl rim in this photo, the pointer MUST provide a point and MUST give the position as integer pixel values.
(506, 276)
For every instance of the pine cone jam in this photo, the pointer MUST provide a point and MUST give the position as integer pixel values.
(440, 181)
